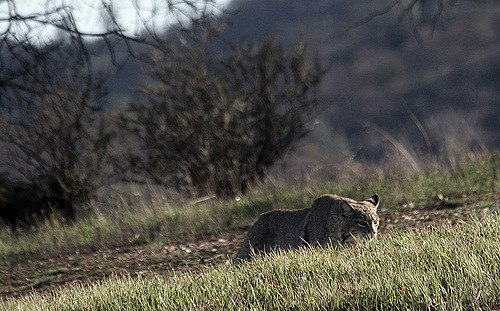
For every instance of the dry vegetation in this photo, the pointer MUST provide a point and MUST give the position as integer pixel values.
(449, 268)
(160, 242)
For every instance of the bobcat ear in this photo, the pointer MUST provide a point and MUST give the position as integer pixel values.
(374, 199)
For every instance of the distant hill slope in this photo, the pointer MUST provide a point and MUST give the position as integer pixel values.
(380, 75)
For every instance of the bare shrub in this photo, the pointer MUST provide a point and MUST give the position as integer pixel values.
(213, 123)
(55, 140)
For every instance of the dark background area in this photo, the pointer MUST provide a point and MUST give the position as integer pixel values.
(380, 76)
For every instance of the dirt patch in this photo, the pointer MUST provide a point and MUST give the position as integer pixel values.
(193, 253)
(201, 252)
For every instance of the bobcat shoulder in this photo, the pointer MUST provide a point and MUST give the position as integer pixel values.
(330, 219)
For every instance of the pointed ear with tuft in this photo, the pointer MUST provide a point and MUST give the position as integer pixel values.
(374, 199)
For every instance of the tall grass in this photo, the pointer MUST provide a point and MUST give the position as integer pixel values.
(450, 268)
(166, 222)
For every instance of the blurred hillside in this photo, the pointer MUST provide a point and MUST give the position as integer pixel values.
(380, 75)
(441, 98)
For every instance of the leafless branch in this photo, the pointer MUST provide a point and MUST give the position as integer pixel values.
(22, 49)
(406, 11)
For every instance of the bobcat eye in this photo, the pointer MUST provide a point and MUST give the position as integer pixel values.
(375, 223)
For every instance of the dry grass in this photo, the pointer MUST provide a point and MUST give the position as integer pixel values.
(167, 222)
(449, 268)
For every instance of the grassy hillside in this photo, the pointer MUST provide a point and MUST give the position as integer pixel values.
(165, 240)
(476, 184)
(449, 268)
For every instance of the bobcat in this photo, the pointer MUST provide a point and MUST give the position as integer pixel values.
(330, 219)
